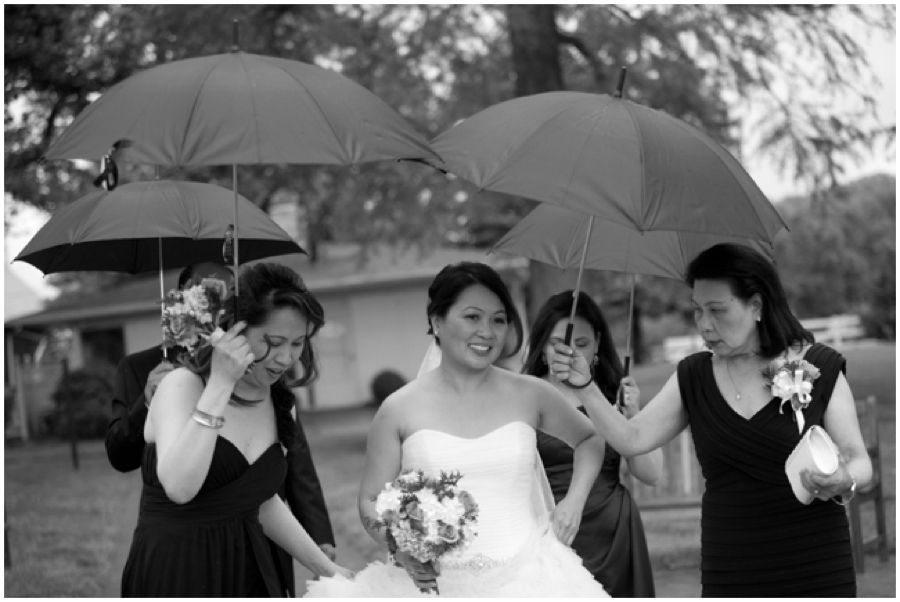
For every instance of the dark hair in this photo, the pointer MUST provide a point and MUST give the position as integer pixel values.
(264, 288)
(749, 273)
(196, 272)
(607, 371)
(450, 283)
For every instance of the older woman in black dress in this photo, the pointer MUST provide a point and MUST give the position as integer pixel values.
(757, 539)
(610, 538)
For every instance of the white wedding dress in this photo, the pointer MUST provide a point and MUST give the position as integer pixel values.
(515, 553)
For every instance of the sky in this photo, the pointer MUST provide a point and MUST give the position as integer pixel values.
(882, 58)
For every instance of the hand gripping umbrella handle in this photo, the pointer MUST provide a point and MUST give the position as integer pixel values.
(620, 397)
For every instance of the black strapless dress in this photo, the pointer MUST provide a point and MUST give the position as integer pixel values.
(214, 545)
(610, 540)
(757, 540)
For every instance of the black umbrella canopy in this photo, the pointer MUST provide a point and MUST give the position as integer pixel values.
(147, 226)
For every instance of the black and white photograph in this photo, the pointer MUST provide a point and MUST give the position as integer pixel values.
(450, 300)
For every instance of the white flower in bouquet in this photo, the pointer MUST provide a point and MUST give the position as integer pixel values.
(389, 500)
(427, 517)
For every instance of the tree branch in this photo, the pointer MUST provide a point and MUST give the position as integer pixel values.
(580, 46)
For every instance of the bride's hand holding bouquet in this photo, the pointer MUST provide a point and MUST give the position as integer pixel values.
(424, 520)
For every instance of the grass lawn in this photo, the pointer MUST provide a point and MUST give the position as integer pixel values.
(63, 524)
(67, 529)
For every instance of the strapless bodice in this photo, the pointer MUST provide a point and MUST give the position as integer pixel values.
(514, 555)
(498, 471)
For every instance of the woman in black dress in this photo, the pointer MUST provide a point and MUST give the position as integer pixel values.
(610, 538)
(757, 539)
(214, 461)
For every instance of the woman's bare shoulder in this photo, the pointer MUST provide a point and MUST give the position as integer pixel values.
(524, 384)
(180, 384)
(183, 377)
(401, 401)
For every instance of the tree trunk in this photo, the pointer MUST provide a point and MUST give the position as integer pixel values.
(535, 48)
(535, 53)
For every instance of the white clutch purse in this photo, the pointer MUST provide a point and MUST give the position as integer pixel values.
(816, 451)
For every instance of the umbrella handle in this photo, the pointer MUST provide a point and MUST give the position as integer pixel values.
(620, 397)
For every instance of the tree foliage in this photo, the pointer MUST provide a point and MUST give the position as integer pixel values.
(840, 256)
(436, 64)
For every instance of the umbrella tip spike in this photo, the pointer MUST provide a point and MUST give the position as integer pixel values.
(620, 87)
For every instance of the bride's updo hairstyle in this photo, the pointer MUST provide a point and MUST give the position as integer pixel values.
(450, 283)
(748, 272)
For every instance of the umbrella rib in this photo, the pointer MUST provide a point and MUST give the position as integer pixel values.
(80, 228)
(253, 112)
(316, 102)
(512, 154)
(643, 171)
(194, 103)
(580, 154)
(693, 134)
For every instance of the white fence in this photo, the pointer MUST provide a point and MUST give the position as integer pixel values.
(833, 331)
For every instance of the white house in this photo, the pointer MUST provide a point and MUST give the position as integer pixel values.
(374, 305)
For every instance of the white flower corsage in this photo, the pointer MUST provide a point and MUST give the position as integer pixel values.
(792, 381)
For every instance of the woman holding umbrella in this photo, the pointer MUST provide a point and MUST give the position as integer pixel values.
(610, 539)
(757, 539)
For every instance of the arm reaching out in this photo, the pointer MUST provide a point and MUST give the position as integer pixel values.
(648, 467)
(282, 527)
(660, 420)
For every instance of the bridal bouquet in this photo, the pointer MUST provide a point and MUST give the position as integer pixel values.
(792, 381)
(191, 315)
(427, 517)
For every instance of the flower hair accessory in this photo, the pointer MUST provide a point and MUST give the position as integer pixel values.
(191, 315)
(792, 381)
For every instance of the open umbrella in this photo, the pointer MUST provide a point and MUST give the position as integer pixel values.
(239, 108)
(143, 226)
(611, 159)
(558, 236)
(571, 240)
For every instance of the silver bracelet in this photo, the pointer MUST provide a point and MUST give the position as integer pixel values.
(207, 420)
(851, 491)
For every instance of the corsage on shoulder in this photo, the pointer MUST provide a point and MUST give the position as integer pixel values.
(191, 315)
(792, 381)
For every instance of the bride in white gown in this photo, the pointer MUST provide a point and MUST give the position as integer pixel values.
(469, 416)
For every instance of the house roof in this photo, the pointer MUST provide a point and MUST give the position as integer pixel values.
(338, 269)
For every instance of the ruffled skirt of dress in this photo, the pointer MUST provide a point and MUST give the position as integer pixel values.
(544, 569)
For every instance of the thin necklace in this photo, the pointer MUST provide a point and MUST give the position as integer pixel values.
(731, 378)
